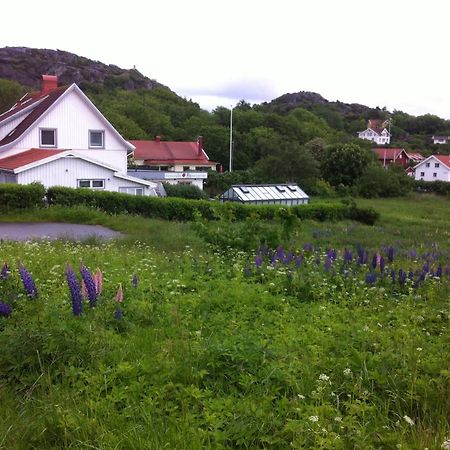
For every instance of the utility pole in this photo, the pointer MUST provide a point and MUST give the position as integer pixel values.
(231, 140)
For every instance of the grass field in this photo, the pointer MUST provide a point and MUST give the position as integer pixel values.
(295, 347)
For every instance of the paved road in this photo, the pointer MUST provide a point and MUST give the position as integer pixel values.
(17, 231)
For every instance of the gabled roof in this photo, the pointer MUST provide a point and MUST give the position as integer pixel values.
(441, 158)
(388, 153)
(415, 156)
(22, 159)
(170, 152)
(41, 102)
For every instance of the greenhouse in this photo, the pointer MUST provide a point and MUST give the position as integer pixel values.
(266, 194)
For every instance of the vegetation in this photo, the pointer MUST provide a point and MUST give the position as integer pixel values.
(336, 340)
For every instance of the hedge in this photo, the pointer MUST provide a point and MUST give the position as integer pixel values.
(187, 210)
(21, 196)
(436, 187)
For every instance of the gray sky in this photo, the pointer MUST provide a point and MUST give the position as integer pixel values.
(391, 53)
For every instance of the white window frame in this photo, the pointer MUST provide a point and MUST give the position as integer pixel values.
(91, 183)
(134, 190)
(102, 132)
(54, 136)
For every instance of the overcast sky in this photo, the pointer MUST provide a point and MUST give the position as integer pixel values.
(392, 53)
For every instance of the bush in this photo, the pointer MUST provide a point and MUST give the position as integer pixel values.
(185, 191)
(19, 196)
(436, 187)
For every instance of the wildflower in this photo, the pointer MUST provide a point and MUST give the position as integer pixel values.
(370, 278)
(308, 247)
(301, 397)
(382, 264)
(347, 372)
(348, 257)
(90, 285)
(391, 254)
(314, 418)
(98, 281)
(323, 377)
(258, 261)
(118, 314)
(419, 349)
(328, 264)
(408, 420)
(393, 276)
(401, 276)
(338, 419)
(439, 271)
(4, 273)
(298, 260)
(28, 282)
(119, 295)
(75, 292)
(5, 310)
(446, 444)
(374, 261)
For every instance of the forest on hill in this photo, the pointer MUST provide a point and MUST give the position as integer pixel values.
(293, 138)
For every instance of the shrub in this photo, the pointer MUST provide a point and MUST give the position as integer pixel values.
(19, 196)
(436, 187)
(184, 191)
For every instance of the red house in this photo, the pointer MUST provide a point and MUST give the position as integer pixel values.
(398, 156)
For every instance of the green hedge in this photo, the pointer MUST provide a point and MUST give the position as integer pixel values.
(188, 210)
(20, 196)
(436, 187)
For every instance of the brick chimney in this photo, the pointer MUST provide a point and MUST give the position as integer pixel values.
(200, 146)
(49, 83)
(157, 139)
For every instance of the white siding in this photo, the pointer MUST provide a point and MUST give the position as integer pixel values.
(73, 118)
(442, 172)
(67, 171)
(6, 177)
(7, 127)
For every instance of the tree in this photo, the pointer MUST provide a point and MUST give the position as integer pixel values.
(345, 163)
(10, 92)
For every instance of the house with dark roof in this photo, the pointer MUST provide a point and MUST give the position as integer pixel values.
(171, 161)
(377, 131)
(59, 138)
(433, 168)
(440, 139)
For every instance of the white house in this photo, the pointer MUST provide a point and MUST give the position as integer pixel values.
(59, 138)
(440, 139)
(433, 168)
(377, 131)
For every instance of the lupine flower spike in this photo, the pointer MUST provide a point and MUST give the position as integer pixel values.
(28, 282)
(135, 280)
(5, 310)
(75, 292)
(119, 295)
(4, 273)
(90, 286)
(98, 281)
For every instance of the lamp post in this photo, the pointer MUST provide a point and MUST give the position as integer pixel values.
(231, 139)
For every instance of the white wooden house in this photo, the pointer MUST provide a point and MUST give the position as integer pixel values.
(433, 168)
(377, 131)
(59, 138)
(440, 139)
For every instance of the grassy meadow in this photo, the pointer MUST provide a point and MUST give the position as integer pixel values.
(335, 339)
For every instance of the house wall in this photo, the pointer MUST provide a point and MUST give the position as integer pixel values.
(370, 135)
(442, 172)
(73, 118)
(67, 171)
(7, 127)
(7, 177)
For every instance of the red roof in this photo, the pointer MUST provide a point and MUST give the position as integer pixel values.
(27, 157)
(388, 153)
(46, 100)
(170, 152)
(443, 159)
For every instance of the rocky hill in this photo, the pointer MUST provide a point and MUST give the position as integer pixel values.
(26, 65)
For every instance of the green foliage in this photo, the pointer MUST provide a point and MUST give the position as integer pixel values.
(377, 181)
(437, 187)
(184, 191)
(18, 196)
(10, 92)
(344, 164)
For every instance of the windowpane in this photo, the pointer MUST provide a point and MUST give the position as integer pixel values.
(48, 138)
(84, 183)
(95, 138)
(97, 183)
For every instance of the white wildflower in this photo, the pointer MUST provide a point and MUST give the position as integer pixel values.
(347, 372)
(408, 420)
(314, 418)
(323, 377)
(338, 419)
(419, 349)
(446, 444)
(301, 397)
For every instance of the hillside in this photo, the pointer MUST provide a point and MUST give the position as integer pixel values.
(26, 65)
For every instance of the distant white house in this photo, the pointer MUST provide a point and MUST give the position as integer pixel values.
(433, 168)
(377, 131)
(59, 138)
(440, 139)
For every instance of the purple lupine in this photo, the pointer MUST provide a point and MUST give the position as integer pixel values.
(308, 247)
(5, 310)
(382, 264)
(426, 267)
(348, 257)
(118, 314)
(90, 285)
(401, 276)
(328, 264)
(393, 276)
(360, 252)
(280, 253)
(258, 261)
(28, 282)
(391, 254)
(371, 278)
(413, 254)
(75, 292)
(411, 275)
(288, 258)
(4, 273)
(298, 260)
(135, 280)
(439, 271)
(374, 261)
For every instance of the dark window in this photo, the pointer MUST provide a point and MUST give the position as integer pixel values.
(48, 137)
(96, 139)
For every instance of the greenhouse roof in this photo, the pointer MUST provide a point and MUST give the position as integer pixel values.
(268, 192)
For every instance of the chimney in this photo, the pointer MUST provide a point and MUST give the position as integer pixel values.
(157, 139)
(49, 83)
(200, 146)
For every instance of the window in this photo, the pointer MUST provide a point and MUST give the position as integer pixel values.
(132, 190)
(422, 174)
(47, 137)
(427, 164)
(436, 164)
(96, 139)
(186, 168)
(93, 184)
(434, 174)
